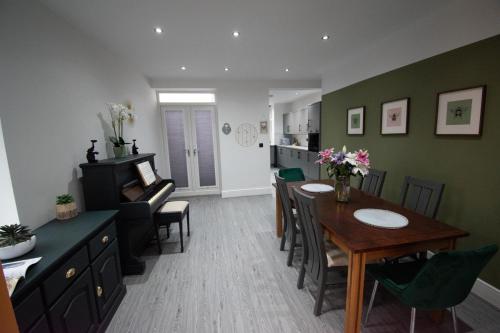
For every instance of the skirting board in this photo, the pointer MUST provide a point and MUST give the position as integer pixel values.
(487, 292)
(483, 290)
(180, 194)
(246, 192)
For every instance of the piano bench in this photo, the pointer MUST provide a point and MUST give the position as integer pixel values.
(173, 212)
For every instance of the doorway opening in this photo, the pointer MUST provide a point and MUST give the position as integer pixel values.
(295, 118)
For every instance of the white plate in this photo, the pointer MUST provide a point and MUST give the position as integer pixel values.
(318, 188)
(381, 218)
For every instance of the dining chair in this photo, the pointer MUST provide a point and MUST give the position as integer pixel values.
(292, 174)
(318, 259)
(442, 282)
(373, 182)
(421, 196)
(290, 227)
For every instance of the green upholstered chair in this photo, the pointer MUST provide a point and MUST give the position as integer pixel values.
(442, 282)
(292, 174)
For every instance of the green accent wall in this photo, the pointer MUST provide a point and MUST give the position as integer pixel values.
(469, 166)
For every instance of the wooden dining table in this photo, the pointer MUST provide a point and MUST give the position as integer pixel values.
(363, 243)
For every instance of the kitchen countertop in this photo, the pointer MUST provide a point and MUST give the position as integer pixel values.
(294, 147)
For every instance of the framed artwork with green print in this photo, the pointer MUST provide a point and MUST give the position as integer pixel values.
(356, 121)
(460, 112)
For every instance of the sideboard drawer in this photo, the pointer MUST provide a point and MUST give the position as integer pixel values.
(30, 309)
(101, 240)
(65, 275)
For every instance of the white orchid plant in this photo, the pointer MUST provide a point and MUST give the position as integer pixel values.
(119, 114)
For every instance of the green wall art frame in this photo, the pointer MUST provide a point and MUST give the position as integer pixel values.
(460, 112)
(356, 121)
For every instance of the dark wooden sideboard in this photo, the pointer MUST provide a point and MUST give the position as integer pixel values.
(77, 286)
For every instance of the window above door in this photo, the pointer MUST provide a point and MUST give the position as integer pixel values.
(186, 98)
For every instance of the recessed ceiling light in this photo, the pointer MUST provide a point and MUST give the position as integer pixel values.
(287, 70)
(325, 37)
(183, 68)
(158, 30)
(236, 34)
(226, 69)
(297, 93)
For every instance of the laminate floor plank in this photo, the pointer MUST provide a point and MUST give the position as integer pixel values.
(233, 278)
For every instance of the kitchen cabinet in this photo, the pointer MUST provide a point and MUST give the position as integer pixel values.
(303, 120)
(299, 158)
(306, 120)
(314, 118)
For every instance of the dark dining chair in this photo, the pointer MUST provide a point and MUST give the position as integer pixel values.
(373, 182)
(318, 261)
(442, 282)
(421, 196)
(290, 227)
(292, 174)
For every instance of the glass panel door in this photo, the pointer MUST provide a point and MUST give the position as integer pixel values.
(177, 144)
(203, 123)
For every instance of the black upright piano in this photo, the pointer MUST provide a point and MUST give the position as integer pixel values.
(115, 184)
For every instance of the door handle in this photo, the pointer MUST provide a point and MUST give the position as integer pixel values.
(188, 152)
(194, 151)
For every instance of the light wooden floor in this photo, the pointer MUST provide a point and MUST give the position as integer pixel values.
(233, 278)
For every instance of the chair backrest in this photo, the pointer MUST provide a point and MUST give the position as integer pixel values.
(421, 196)
(373, 182)
(447, 278)
(316, 262)
(292, 174)
(289, 220)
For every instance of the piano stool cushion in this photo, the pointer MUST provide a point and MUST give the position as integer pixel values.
(170, 207)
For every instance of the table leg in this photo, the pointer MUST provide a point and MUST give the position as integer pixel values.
(354, 298)
(279, 216)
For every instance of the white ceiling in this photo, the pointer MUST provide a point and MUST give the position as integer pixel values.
(274, 33)
(289, 95)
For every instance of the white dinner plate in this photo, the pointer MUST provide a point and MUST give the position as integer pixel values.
(317, 188)
(381, 218)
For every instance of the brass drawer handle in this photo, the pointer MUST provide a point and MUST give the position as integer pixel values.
(99, 291)
(70, 273)
(105, 239)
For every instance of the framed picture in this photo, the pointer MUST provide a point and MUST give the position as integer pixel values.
(395, 116)
(263, 127)
(356, 121)
(460, 112)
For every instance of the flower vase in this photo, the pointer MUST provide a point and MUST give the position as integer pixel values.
(120, 151)
(343, 188)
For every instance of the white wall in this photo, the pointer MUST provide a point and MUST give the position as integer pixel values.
(54, 83)
(460, 23)
(7, 200)
(244, 170)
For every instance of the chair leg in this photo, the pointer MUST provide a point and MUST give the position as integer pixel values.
(283, 239)
(181, 236)
(189, 232)
(372, 299)
(412, 324)
(454, 315)
(291, 251)
(302, 273)
(319, 301)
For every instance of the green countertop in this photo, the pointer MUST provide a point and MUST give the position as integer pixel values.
(56, 241)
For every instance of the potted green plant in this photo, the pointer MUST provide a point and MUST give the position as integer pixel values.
(65, 207)
(15, 240)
